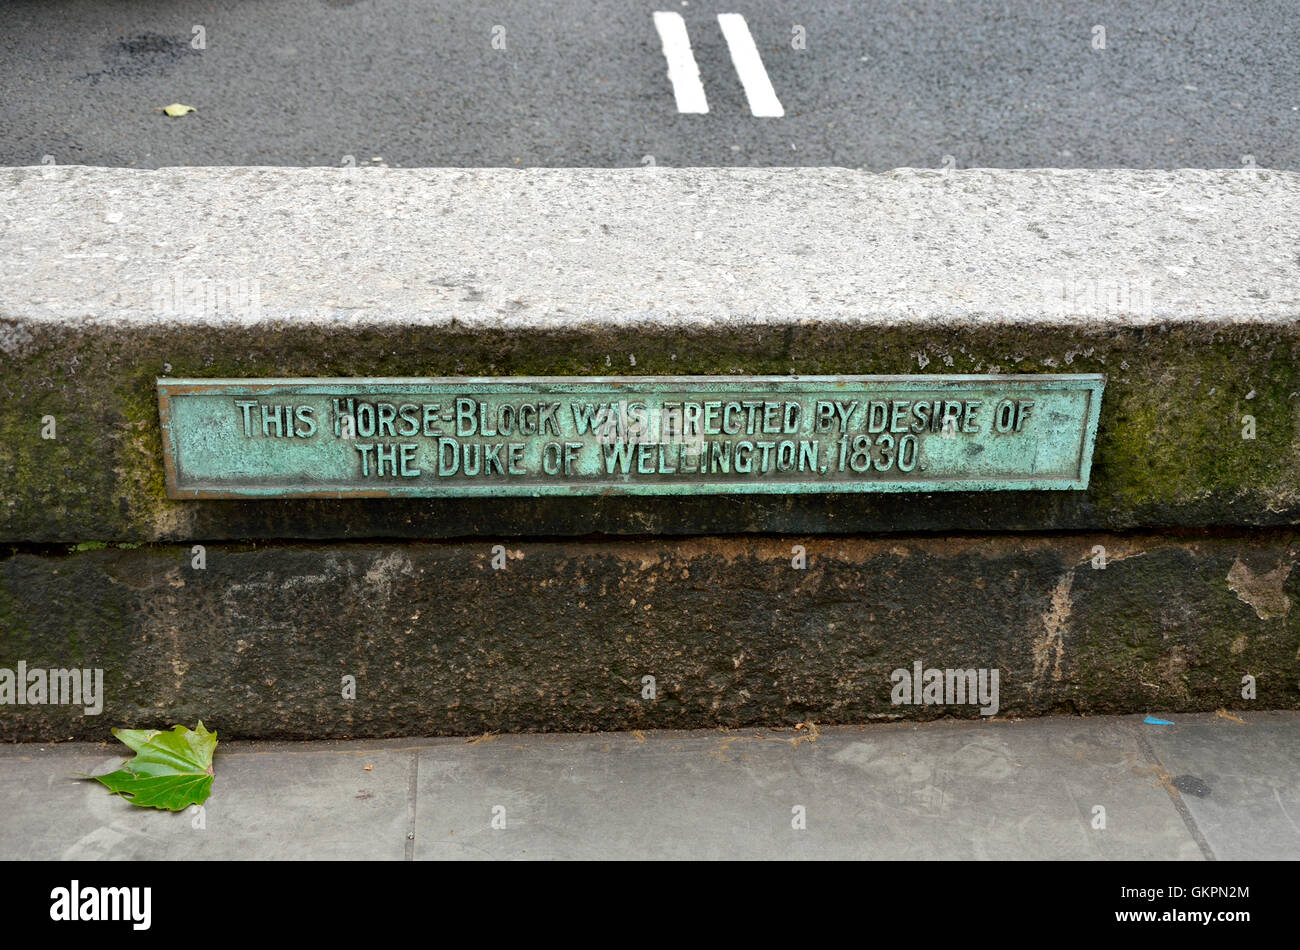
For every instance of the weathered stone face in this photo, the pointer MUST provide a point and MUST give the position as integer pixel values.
(1180, 288)
(561, 638)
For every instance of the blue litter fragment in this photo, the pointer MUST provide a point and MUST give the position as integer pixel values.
(1153, 721)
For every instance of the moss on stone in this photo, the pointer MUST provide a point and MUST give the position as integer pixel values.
(1169, 450)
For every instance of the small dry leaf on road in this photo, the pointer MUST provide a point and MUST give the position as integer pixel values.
(176, 109)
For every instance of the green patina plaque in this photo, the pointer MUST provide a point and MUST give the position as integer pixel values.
(659, 435)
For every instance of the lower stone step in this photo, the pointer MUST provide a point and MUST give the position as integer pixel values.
(379, 639)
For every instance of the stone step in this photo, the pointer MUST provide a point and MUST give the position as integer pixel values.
(1167, 583)
(562, 635)
(1181, 288)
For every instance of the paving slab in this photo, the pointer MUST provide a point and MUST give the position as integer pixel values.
(946, 790)
(291, 801)
(1240, 780)
(940, 791)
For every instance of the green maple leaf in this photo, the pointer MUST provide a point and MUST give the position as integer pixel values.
(171, 770)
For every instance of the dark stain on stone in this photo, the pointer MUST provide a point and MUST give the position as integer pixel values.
(1191, 785)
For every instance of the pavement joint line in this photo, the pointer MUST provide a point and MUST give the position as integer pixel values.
(1174, 796)
(412, 790)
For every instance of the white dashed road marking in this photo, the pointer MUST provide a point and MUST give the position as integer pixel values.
(758, 88)
(683, 71)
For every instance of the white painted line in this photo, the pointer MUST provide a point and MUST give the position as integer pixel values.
(758, 88)
(683, 71)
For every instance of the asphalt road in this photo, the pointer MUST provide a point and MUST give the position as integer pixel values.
(878, 85)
